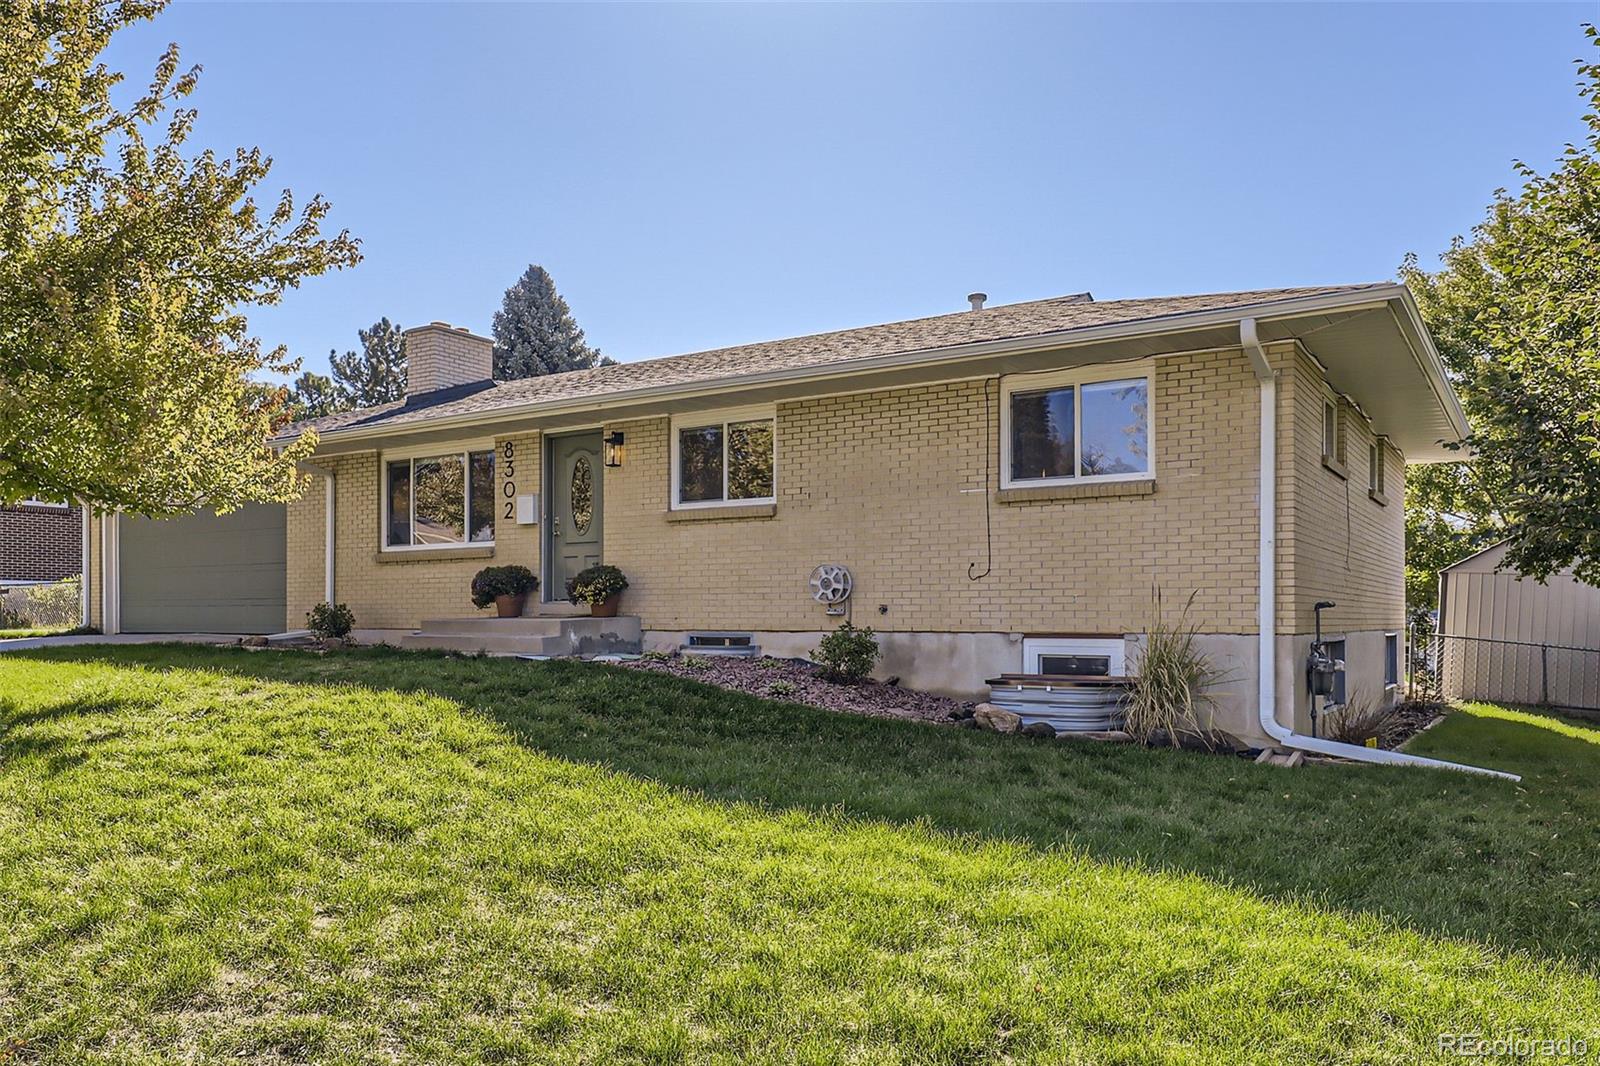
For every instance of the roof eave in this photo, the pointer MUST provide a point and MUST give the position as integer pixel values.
(1267, 311)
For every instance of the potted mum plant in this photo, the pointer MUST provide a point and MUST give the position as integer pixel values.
(506, 587)
(600, 587)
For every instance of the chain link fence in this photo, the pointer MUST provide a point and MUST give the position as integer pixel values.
(1449, 666)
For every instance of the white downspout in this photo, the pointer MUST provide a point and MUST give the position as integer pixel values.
(330, 496)
(110, 573)
(1267, 579)
(83, 571)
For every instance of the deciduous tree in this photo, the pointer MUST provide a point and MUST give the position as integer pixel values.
(126, 261)
(1516, 313)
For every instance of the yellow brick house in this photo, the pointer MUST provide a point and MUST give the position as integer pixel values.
(1002, 484)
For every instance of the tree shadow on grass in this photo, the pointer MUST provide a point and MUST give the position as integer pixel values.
(19, 739)
(1444, 853)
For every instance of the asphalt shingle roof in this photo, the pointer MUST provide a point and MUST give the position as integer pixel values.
(1006, 322)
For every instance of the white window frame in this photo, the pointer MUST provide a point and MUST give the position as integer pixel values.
(1330, 422)
(1078, 377)
(1114, 648)
(429, 451)
(1376, 472)
(1394, 682)
(724, 416)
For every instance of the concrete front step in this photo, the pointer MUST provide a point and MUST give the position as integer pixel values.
(531, 636)
(499, 627)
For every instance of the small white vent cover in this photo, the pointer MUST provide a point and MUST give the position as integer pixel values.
(830, 586)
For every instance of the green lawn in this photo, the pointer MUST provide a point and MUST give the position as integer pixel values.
(35, 631)
(214, 855)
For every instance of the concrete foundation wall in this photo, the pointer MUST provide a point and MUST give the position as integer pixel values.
(956, 664)
(1364, 672)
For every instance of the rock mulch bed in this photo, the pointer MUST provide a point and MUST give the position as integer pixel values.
(798, 681)
(1410, 718)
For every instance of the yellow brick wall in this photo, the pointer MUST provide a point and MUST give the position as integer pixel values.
(1340, 544)
(891, 484)
(401, 593)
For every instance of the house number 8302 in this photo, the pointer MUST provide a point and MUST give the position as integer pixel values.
(508, 488)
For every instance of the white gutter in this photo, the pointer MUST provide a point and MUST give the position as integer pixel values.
(328, 533)
(1372, 297)
(1267, 580)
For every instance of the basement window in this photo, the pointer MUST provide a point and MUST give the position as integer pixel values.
(439, 500)
(719, 640)
(1074, 656)
(1077, 426)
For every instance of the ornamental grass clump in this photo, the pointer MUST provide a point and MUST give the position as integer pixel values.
(1174, 678)
(1359, 721)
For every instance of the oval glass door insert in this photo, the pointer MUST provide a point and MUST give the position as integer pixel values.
(582, 495)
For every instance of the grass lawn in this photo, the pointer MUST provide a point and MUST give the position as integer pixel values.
(374, 856)
(35, 631)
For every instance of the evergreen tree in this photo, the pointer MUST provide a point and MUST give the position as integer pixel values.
(377, 373)
(313, 395)
(535, 333)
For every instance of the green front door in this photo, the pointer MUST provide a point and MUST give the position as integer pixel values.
(573, 531)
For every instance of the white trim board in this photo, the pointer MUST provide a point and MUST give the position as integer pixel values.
(723, 417)
(1077, 378)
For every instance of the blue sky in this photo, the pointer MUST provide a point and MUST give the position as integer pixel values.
(697, 176)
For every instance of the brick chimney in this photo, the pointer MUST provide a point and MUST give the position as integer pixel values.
(442, 356)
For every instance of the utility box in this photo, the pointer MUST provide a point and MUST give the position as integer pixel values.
(528, 509)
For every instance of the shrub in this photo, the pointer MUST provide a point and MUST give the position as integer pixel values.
(1174, 676)
(330, 620)
(847, 654)
(596, 584)
(781, 689)
(57, 604)
(494, 581)
(1358, 721)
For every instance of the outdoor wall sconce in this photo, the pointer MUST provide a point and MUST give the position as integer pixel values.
(615, 452)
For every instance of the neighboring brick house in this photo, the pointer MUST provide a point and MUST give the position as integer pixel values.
(40, 542)
(1004, 484)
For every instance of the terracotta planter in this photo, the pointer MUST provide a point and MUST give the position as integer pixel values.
(510, 606)
(605, 608)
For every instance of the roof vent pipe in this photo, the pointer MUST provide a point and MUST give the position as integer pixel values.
(976, 300)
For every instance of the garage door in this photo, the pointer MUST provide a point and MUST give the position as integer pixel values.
(205, 573)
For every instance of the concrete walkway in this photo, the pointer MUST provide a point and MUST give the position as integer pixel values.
(24, 643)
